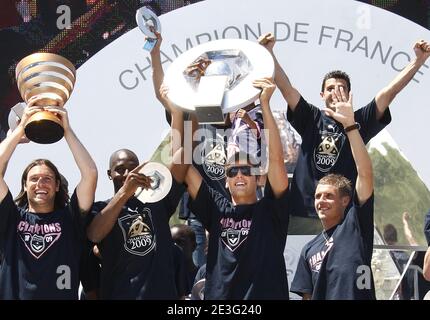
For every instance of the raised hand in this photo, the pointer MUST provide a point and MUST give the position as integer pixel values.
(158, 44)
(344, 112)
(197, 68)
(241, 113)
(135, 180)
(268, 87)
(422, 50)
(267, 40)
(61, 113)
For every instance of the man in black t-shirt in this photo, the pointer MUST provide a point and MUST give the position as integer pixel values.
(247, 237)
(42, 232)
(209, 148)
(336, 264)
(325, 146)
(134, 238)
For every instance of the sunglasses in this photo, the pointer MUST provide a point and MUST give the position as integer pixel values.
(233, 171)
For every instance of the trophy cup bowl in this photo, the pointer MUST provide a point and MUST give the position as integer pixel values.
(45, 79)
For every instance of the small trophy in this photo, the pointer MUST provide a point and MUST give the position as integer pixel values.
(47, 80)
(148, 22)
(160, 185)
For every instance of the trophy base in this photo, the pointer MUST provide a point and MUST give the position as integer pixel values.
(44, 130)
(209, 115)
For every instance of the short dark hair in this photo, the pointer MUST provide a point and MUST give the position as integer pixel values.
(390, 233)
(242, 156)
(185, 234)
(61, 196)
(342, 183)
(336, 74)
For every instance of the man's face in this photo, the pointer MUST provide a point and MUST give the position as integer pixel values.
(329, 205)
(41, 187)
(329, 86)
(121, 164)
(241, 181)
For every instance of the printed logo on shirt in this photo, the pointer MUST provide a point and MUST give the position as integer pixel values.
(214, 158)
(316, 260)
(327, 152)
(234, 233)
(38, 238)
(137, 230)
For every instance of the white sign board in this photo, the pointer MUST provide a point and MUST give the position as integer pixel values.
(113, 105)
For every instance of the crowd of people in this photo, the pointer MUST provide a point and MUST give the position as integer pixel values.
(121, 248)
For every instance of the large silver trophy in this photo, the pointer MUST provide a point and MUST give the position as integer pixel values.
(160, 185)
(215, 78)
(45, 79)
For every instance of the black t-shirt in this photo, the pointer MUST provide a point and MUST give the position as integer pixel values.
(183, 286)
(89, 270)
(40, 252)
(246, 245)
(137, 255)
(325, 149)
(210, 159)
(330, 264)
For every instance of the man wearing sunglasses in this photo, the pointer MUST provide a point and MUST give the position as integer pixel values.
(247, 237)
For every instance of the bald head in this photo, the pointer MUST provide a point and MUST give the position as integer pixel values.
(122, 154)
(121, 162)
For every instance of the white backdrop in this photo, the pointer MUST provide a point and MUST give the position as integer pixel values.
(113, 105)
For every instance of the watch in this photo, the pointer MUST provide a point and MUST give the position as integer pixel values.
(353, 127)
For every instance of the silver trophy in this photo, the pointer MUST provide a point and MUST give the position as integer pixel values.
(160, 185)
(215, 78)
(148, 22)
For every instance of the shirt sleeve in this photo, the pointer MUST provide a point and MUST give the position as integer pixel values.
(172, 199)
(89, 268)
(302, 282)
(205, 202)
(278, 205)
(370, 126)
(9, 215)
(79, 218)
(304, 115)
(364, 216)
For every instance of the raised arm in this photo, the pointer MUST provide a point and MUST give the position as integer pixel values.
(345, 115)
(277, 173)
(193, 179)
(387, 94)
(158, 72)
(86, 187)
(407, 229)
(104, 221)
(8, 145)
(290, 94)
